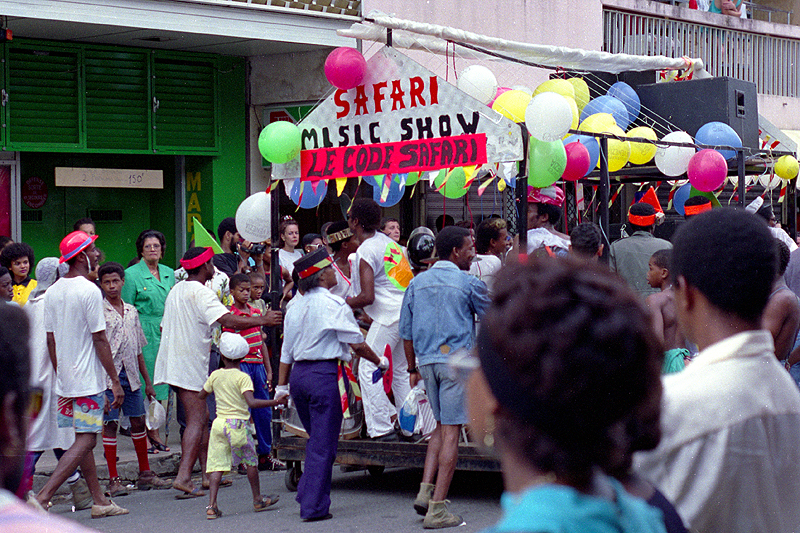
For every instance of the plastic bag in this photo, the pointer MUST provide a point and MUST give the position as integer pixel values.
(156, 415)
(416, 415)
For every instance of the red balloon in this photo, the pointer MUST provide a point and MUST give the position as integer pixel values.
(345, 68)
(578, 161)
(707, 170)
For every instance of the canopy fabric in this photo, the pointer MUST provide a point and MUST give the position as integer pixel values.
(438, 38)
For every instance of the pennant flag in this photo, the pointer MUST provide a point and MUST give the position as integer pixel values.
(340, 183)
(387, 377)
(485, 184)
(203, 238)
(614, 197)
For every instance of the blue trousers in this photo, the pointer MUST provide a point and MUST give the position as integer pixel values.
(261, 417)
(315, 393)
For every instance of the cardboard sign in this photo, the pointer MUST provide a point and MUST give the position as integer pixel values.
(109, 177)
(407, 117)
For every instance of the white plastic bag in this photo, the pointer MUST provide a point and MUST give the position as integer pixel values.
(416, 415)
(156, 415)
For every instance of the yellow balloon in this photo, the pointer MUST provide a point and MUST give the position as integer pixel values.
(512, 105)
(786, 167)
(562, 87)
(642, 153)
(597, 123)
(576, 115)
(619, 152)
(581, 92)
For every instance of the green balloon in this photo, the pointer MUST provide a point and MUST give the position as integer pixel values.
(454, 188)
(280, 142)
(546, 162)
(412, 178)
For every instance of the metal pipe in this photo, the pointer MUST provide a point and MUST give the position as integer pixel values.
(604, 191)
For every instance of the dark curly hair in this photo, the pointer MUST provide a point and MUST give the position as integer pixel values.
(367, 212)
(569, 353)
(147, 234)
(14, 251)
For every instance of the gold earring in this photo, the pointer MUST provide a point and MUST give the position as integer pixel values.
(488, 438)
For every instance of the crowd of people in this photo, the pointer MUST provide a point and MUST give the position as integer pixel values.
(647, 394)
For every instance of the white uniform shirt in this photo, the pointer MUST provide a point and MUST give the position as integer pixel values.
(319, 327)
(73, 310)
(729, 458)
(190, 311)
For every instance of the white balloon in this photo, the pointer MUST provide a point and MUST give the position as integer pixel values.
(478, 82)
(548, 116)
(523, 88)
(253, 218)
(674, 160)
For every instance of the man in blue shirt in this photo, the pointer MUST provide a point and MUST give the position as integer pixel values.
(436, 319)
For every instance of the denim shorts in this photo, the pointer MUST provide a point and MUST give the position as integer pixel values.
(445, 394)
(132, 405)
(84, 414)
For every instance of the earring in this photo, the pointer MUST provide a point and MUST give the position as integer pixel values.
(488, 438)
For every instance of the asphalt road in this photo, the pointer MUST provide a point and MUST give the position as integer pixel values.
(361, 503)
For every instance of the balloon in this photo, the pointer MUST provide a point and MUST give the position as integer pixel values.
(578, 161)
(618, 151)
(456, 182)
(253, 218)
(512, 104)
(680, 197)
(370, 180)
(395, 191)
(546, 162)
(500, 90)
(523, 88)
(556, 85)
(607, 104)
(592, 146)
(548, 116)
(345, 68)
(478, 82)
(597, 123)
(642, 153)
(412, 178)
(673, 160)
(719, 134)
(279, 142)
(707, 170)
(625, 94)
(576, 115)
(581, 92)
(786, 167)
(311, 198)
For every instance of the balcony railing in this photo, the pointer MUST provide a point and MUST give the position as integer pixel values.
(772, 63)
(335, 7)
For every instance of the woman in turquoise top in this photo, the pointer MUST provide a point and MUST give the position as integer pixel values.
(147, 284)
(566, 356)
(727, 7)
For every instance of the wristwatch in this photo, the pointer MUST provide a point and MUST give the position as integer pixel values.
(414, 370)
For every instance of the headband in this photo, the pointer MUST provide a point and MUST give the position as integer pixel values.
(690, 210)
(642, 220)
(339, 236)
(200, 260)
(316, 267)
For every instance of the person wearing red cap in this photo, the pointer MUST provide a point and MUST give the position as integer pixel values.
(630, 256)
(190, 312)
(81, 356)
(544, 212)
(695, 205)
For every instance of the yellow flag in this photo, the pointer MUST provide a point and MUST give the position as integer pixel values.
(340, 183)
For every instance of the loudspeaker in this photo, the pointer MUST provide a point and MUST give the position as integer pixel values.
(688, 105)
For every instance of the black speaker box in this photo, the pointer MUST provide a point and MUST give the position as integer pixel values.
(687, 105)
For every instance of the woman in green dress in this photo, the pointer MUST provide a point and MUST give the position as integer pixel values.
(147, 284)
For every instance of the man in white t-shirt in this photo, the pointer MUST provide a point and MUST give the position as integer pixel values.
(80, 353)
(381, 274)
(491, 240)
(190, 312)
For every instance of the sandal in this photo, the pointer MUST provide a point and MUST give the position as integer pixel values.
(265, 502)
(224, 482)
(187, 493)
(212, 512)
(159, 446)
(152, 450)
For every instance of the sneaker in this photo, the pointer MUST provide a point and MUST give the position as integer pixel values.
(149, 480)
(112, 509)
(423, 497)
(81, 497)
(438, 517)
(276, 464)
(116, 488)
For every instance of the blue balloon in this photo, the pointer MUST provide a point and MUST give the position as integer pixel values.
(625, 94)
(311, 198)
(608, 104)
(719, 134)
(680, 197)
(395, 191)
(591, 145)
(370, 180)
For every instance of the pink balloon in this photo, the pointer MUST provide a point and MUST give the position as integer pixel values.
(578, 161)
(707, 170)
(500, 90)
(345, 68)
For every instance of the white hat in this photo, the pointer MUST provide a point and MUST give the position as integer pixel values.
(755, 205)
(233, 346)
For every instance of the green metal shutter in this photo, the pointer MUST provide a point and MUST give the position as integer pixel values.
(117, 100)
(44, 107)
(184, 93)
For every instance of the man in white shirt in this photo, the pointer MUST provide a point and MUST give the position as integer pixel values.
(728, 458)
(190, 312)
(81, 356)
